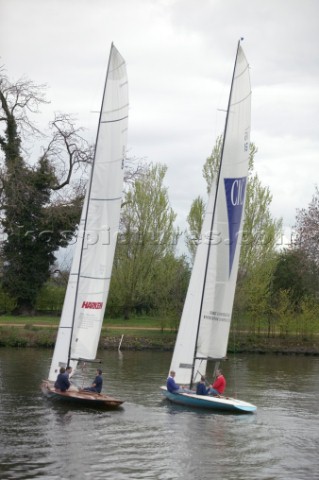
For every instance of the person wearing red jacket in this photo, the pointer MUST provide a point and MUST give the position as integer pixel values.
(219, 384)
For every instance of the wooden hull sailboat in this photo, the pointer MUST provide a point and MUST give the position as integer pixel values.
(80, 397)
(205, 324)
(85, 300)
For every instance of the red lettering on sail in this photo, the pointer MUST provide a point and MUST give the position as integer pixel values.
(92, 305)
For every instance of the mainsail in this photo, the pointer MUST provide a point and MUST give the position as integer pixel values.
(205, 323)
(87, 291)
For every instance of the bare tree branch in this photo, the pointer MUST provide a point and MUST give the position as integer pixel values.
(20, 99)
(67, 150)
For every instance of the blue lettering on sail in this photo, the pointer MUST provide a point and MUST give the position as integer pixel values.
(235, 197)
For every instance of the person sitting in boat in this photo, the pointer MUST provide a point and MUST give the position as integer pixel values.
(219, 384)
(201, 388)
(171, 384)
(97, 383)
(62, 382)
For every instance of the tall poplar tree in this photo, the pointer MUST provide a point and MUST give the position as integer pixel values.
(147, 236)
(195, 220)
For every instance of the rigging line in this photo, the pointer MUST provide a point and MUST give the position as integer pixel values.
(198, 371)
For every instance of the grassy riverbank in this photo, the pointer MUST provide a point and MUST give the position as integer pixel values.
(144, 333)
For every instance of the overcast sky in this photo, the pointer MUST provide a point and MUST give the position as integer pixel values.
(180, 56)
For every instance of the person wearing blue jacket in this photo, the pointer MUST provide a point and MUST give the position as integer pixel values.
(201, 387)
(97, 383)
(62, 382)
(171, 384)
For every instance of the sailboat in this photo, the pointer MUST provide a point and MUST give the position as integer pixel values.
(205, 323)
(85, 300)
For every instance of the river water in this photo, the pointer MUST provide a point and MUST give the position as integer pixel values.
(151, 439)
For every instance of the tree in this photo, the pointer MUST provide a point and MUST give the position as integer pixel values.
(197, 211)
(37, 218)
(295, 280)
(308, 323)
(283, 312)
(169, 285)
(147, 236)
(195, 220)
(296, 274)
(307, 228)
(211, 166)
(261, 231)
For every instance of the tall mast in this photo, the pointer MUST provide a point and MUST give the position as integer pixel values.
(214, 211)
(89, 188)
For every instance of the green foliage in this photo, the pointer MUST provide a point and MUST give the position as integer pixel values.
(211, 166)
(253, 297)
(26, 337)
(283, 312)
(195, 220)
(50, 298)
(308, 319)
(170, 282)
(147, 238)
(7, 304)
(261, 231)
(33, 231)
(296, 274)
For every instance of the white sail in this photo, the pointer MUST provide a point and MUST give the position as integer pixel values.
(87, 291)
(206, 318)
(184, 351)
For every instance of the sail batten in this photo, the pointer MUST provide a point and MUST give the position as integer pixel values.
(95, 278)
(115, 119)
